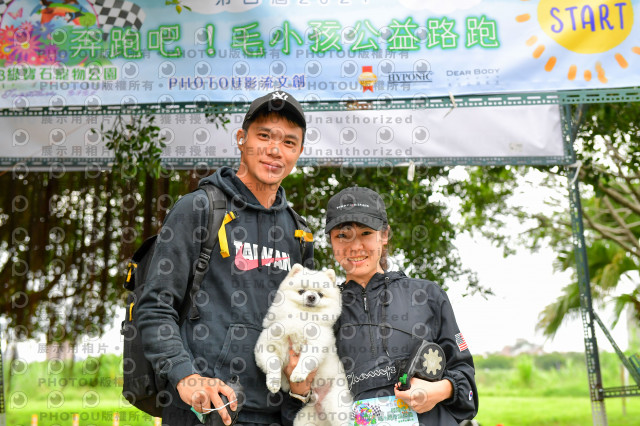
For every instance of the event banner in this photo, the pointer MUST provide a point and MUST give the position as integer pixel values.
(481, 135)
(123, 52)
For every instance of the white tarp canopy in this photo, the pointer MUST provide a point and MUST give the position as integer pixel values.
(497, 134)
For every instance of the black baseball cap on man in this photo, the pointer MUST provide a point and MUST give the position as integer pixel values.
(276, 101)
(356, 205)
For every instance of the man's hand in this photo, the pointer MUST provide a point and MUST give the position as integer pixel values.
(301, 388)
(423, 395)
(201, 392)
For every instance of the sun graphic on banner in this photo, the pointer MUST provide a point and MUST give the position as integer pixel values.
(584, 27)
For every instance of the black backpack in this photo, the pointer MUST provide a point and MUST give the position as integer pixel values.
(141, 387)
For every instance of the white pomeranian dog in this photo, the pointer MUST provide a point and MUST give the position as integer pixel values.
(303, 312)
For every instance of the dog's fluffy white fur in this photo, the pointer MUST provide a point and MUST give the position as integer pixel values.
(303, 312)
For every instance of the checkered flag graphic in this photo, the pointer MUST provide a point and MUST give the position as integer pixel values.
(377, 411)
(117, 14)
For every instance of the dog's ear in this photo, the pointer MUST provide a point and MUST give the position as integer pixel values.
(331, 274)
(296, 269)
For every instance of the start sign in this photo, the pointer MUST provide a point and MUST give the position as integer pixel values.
(587, 26)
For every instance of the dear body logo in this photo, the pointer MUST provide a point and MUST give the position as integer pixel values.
(595, 34)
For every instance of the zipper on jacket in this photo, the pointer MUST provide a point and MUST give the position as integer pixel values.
(366, 309)
(364, 297)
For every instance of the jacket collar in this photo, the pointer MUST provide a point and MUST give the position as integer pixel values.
(376, 281)
(226, 179)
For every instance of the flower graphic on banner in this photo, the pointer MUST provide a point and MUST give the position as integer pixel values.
(7, 35)
(49, 54)
(28, 37)
(5, 49)
(61, 31)
(585, 27)
(28, 43)
(27, 26)
(26, 47)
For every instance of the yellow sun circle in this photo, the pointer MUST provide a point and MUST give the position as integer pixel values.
(586, 26)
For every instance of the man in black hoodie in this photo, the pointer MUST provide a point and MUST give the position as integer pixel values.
(255, 251)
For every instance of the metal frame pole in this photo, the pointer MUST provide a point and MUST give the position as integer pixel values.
(596, 390)
(3, 420)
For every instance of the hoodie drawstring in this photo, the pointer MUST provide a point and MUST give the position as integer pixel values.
(273, 234)
(383, 327)
(259, 245)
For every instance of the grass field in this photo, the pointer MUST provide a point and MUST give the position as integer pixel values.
(546, 390)
(552, 411)
(494, 410)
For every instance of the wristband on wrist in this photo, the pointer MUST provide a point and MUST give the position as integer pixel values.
(304, 398)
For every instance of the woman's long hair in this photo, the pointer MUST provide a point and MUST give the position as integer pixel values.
(384, 257)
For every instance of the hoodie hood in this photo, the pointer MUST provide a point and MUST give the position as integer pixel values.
(226, 179)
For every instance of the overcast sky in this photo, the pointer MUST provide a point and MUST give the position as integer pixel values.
(523, 285)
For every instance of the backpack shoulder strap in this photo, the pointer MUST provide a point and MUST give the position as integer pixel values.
(303, 232)
(217, 212)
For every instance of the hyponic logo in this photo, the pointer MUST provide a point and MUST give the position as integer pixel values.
(410, 77)
(247, 257)
(387, 371)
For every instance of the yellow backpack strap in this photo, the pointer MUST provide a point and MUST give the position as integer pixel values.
(222, 234)
(132, 266)
(304, 234)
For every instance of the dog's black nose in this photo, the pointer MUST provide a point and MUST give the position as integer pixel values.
(311, 298)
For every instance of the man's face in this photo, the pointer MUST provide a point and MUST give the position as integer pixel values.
(269, 150)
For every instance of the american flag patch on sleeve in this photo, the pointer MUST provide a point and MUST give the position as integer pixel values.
(462, 345)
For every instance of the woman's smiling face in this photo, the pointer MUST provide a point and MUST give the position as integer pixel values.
(358, 249)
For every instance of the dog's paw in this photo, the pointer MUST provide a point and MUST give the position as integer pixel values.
(273, 385)
(297, 376)
(297, 347)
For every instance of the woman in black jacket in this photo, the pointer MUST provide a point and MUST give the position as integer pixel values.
(385, 316)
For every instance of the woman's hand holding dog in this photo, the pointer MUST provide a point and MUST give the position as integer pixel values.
(202, 392)
(300, 388)
(424, 395)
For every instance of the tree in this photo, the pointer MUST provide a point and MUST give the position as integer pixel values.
(608, 264)
(66, 236)
(422, 232)
(609, 160)
(610, 155)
